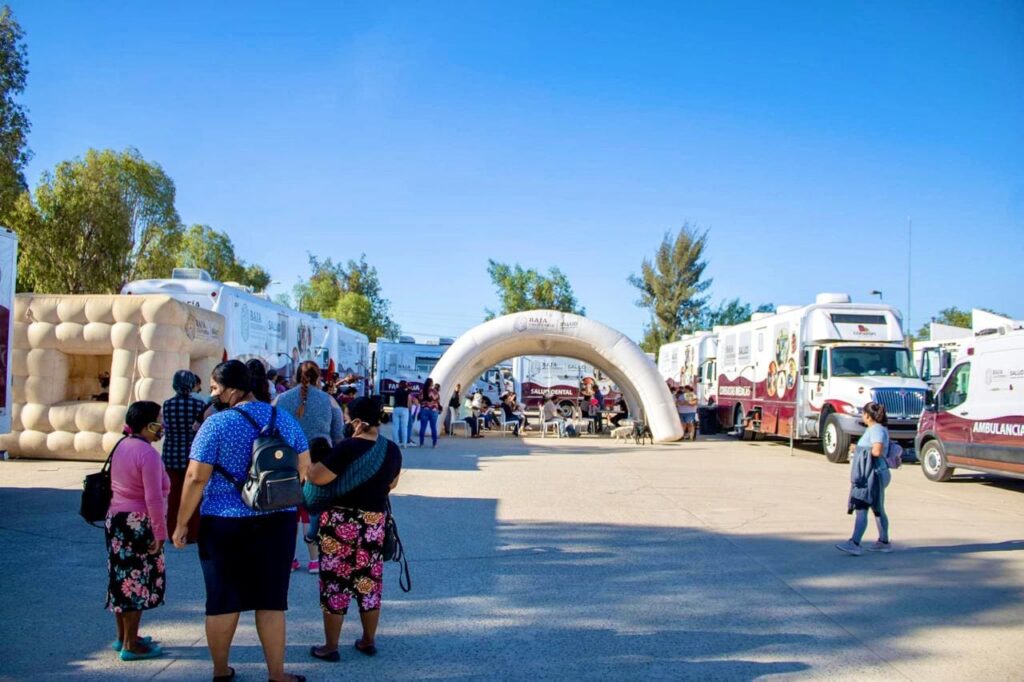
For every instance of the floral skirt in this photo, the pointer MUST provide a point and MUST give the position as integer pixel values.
(137, 580)
(351, 559)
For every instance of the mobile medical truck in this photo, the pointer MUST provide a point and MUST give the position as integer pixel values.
(536, 376)
(807, 371)
(256, 327)
(690, 361)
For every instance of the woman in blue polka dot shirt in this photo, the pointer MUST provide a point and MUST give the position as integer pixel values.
(246, 555)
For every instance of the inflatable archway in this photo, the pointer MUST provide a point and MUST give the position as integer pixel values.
(549, 332)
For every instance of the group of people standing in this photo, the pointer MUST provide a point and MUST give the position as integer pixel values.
(247, 556)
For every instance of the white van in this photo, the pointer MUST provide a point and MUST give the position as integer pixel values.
(976, 419)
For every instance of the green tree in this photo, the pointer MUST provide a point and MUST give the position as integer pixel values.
(97, 223)
(350, 293)
(211, 250)
(14, 123)
(671, 287)
(730, 312)
(520, 289)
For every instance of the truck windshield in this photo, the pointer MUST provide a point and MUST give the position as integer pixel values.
(872, 362)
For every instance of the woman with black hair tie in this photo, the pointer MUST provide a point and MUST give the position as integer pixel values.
(869, 477)
(260, 382)
(246, 555)
(136, 529)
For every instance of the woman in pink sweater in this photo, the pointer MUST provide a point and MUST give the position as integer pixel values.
(136, 529)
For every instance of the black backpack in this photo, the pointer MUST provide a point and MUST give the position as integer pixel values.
(273, 481)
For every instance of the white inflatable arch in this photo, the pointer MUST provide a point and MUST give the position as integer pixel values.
(549, 332)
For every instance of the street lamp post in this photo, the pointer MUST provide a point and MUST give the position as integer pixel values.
(876, 292)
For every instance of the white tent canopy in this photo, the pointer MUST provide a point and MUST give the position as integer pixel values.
(549, 332)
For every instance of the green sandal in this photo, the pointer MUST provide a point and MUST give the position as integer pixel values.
(117, 644)
(154, 652)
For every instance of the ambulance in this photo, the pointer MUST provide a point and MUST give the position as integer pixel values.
(807, 371)
(690, 361)
(934, 357)
(975, 420)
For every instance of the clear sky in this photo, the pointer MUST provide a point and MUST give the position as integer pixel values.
(433, 136)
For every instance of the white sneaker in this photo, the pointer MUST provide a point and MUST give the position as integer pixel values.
(850, 547)
(411, 445)
(883, 547)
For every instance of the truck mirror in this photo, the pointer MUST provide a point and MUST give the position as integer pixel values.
(930, 402)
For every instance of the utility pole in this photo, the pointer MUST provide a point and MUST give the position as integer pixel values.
(910, 259)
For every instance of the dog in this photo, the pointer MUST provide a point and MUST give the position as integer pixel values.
(640, 432)
(623, 432)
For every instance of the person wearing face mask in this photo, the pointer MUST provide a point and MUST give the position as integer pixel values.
(136, 530)
(246, 555)
(356, 477)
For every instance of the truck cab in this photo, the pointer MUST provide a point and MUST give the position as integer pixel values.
(840, 378)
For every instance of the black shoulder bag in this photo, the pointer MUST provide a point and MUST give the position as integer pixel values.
(97, 492)
(395, 551)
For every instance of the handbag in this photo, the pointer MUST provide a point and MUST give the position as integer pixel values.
(97, 492)
(395, 551)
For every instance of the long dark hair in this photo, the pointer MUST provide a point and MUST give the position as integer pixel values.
(877, 412)
(258, 375)
(140, 414)
(307, 375)
(233, 374)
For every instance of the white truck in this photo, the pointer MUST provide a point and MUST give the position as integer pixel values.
(690, 361)
(807, 371)
(407, 360)
(537, 376)
(934, 358)
(8, 281)
(256, 327)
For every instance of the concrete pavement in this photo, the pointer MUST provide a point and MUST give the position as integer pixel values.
(582, 558)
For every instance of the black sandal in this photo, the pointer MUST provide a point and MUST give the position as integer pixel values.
(330, 657)
(295, 678)
(225, 678)
(369, 650)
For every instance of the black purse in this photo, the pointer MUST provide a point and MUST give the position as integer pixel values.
(97, 493)
(395, 551)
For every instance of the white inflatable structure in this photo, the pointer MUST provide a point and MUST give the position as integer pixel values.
(63, 343)
(549, 332)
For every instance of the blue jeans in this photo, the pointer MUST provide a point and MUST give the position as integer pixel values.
(400, 427)
(428, 416)
(860, 523)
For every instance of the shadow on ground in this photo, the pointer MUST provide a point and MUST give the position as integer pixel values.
(526, 601)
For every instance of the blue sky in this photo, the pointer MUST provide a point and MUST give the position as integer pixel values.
(433, 136)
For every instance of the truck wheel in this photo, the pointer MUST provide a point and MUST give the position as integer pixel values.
(567, 409)
(835, 442)
(934, 464)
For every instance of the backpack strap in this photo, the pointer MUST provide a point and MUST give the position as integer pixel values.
(259, 429)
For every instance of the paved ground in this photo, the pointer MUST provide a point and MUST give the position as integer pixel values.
(567, 559)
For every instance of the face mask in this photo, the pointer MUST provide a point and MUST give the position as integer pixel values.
(218, 403)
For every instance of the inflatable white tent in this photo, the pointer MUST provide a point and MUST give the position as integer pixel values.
(63, 343)
(549, 332)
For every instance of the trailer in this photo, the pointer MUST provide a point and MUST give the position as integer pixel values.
(256, 327)
(806, 372)
(8, 281)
